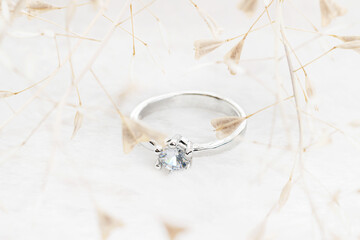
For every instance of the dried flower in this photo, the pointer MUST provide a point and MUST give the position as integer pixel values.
(203, 47)
(107, 223)
(232, 58)
(330, 10)
(346, 38)
(134, 133)
(225, 126)
(210, 22)
(173, 231)
(353, 45)
(35, 7)
(248, 6)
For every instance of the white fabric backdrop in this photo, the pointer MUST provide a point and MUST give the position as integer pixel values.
(50, 192)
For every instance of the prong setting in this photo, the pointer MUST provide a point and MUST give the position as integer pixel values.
(176, 155)
(158, 150)
(158, 164)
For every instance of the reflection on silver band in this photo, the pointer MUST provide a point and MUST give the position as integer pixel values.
(198, 100)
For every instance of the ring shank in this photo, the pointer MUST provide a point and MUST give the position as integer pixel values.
(195, 100)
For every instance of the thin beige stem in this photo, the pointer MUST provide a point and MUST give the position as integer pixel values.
(315, 59)
(132, 29)
(295, 93)
(128, 32)
(269, 106)
(107, 94)
(253, 30)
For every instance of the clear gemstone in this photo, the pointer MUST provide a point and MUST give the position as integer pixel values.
(173, 158)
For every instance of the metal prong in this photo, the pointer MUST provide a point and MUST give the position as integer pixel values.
(188, 152)
(158, 150)
(183, 143)
(189, 149)
(172, 143)
(158, 165)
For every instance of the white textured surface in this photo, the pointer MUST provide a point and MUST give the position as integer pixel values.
(46, 193)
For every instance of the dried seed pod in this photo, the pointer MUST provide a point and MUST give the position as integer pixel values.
(35, 7)
(210, 22)
(285, 193)
(173, 231)
(232, 58)
(225, 126)
(107, 223)
(330, 10)
(98, 3)
(346, 38)
(77, 122)
(133, 133)
(353, 45)
(203, 47)
(248, 6)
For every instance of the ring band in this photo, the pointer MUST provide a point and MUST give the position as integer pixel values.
(178, 151)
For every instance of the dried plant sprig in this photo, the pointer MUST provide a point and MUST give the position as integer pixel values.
(285, 193)
(132, 28)
(295, 90)
(59, 26)
(353, 45)
(47, 33)
(315, 59)
(173, 231)
(133, 132)
(128, 32)
(163, 33)
(107, 223)
(35, 7)
(153, 57)
(248, 6)
(78, 120)
(98, 3)
(350, 45)
(346, 38)
(5, 94)
(210, 22)
(48, 79)
(329, 11)
(225, 126)
(232, 58)
(136, 13)
(205, 46)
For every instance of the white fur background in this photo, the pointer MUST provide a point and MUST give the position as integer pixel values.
(50, 187)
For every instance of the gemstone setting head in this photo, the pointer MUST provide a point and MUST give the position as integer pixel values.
(176, 155)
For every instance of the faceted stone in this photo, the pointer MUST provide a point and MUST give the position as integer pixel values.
(173, 158)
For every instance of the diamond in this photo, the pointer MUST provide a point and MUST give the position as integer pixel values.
(173, 158)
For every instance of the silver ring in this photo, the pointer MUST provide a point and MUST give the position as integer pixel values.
(178, 151)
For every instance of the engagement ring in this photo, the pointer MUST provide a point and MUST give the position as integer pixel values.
(178, 151)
